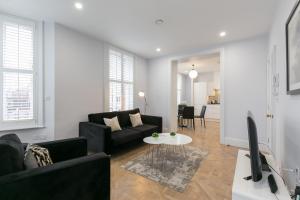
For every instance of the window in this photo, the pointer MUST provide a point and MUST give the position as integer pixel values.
(179, 88)
(120, 81)
(18, 73)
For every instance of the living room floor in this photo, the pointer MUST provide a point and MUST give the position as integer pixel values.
(212, 181)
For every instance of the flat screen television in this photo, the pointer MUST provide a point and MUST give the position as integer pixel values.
(255, 158)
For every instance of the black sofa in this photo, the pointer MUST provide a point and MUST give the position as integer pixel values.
(101, 139)
(74, 174)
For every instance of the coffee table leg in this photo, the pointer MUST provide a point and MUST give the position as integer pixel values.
(149, 154)
(184, 150)
(152, 157)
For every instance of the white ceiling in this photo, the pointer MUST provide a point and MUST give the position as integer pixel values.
(203, 64)
(129, 24)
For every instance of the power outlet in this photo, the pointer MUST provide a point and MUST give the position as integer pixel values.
(296, 172)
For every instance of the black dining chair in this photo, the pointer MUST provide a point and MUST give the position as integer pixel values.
(180, 112)
(202, 115)
(188, 114)
(180, 108)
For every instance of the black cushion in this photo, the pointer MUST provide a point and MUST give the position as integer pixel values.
(123, 117)
(98, 117)
(11, 154)
(124, 136)
(146, 129)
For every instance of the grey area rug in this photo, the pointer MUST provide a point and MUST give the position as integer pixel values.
(175, 171)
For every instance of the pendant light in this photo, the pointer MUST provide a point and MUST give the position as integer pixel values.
(193, 73)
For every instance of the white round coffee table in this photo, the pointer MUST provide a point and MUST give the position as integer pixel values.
(166, 138)
(160, 147)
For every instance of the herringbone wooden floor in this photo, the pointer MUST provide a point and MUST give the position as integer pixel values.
(212, 181)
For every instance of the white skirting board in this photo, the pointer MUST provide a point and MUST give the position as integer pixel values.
(237, 142)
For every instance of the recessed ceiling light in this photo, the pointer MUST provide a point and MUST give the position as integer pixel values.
(222, 34)
(159, 21)
(158, 49)
(78, 5)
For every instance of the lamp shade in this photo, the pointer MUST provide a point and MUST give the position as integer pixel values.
(193, 74)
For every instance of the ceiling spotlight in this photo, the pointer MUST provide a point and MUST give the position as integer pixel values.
(223, 34)
(78, 6)
(159, 21)
(158, 49)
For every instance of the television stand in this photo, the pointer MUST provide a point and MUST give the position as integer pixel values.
(249, 190)
(264, 162)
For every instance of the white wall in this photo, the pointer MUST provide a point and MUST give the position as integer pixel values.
(159, 87)
(288, 106)
(245, 86)
(78, 80)
(212, 79)
(140, 79)
(74, 82)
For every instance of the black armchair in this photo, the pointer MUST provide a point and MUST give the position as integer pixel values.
(74, 175)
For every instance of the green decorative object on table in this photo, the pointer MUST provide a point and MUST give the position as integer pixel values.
(172, 133)
(155, 135)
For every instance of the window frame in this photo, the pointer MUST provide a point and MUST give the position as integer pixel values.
(122, 81)
(37, 72)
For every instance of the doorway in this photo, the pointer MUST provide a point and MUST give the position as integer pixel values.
(204, 90)
(272, 98)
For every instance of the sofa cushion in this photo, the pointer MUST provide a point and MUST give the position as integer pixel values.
(125, 136)
(11, 154)
(98, 118)
(146, 129)
(36, 156)
(136, 119)
(113, 123)
(123, 117)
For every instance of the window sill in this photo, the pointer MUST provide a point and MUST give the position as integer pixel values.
(21, 128)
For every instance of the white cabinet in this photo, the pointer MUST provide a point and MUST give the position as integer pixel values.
(213, 111)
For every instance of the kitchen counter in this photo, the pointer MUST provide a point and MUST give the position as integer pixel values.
(213, 111)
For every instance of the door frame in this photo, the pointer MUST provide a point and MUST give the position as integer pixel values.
(173, 90)
(272, 140)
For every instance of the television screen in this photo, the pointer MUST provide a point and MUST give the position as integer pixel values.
(256, 166)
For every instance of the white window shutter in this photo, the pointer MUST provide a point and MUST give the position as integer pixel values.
(127, 68)
(18, 71)
(17, 96)
(128, 96)
(120, 81)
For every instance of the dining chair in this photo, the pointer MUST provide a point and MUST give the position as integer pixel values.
(202, 115)
(188, 114)
(179, 114)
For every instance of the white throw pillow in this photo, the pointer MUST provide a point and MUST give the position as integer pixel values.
(113, 123)
(136, 119)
